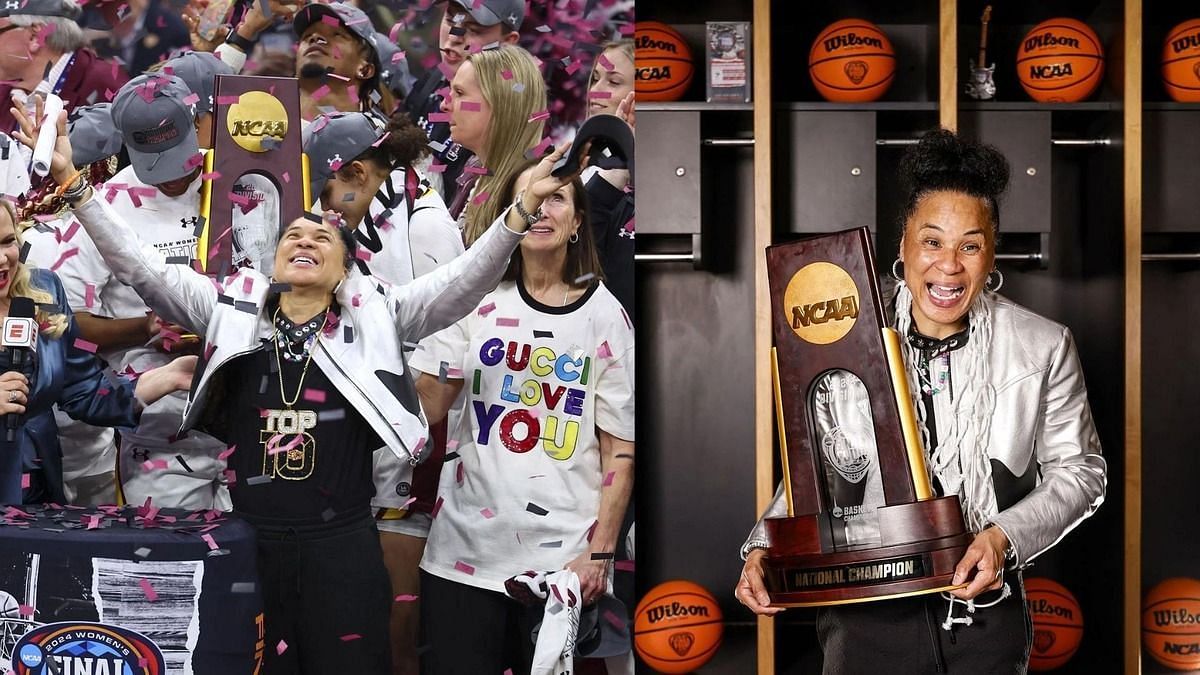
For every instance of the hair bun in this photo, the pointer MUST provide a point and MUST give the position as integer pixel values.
(942, 160)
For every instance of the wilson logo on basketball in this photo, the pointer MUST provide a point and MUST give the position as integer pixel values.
(1043, 607)
(1186, 42)
(851, 40)
(674, 610)
(647, 42)
(1049, 40)
(1175, 617)
(681, 643)
(1050, 71)
(856, 71)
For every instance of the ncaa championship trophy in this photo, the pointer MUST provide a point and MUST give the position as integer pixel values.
(256, 132)
(862, 521)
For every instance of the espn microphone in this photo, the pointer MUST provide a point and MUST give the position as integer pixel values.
(20, 339)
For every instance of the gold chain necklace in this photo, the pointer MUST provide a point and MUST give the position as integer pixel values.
(308, 360)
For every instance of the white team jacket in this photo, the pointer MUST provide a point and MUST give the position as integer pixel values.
(363, 358)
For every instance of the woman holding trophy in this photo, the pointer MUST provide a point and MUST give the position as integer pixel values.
(1004, 416)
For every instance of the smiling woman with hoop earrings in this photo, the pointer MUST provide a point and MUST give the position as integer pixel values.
(1004, 415)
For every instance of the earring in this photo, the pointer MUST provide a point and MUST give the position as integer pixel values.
(574, 238)
(898, 276)
(999, 280)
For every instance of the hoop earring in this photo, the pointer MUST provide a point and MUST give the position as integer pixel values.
(898, 276)
(999, 282)
(574, 238)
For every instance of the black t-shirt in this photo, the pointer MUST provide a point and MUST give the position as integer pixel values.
(316, 453)
(422, 100)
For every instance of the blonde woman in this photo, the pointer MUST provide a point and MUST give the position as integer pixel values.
(494, 101)
(62, 371)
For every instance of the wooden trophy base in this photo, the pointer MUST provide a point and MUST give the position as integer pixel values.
(921, 544)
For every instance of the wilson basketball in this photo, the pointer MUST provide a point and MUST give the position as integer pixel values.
(1060, 61)
(677, 627)
(1057, 623)
(663, 61)
(852, 61)
(1181, 62)
(1171, 623)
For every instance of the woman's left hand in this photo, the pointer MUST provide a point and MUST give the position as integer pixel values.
(985, 555)
(61, 168)
(158, 382)
(542, 184)
(593, 576)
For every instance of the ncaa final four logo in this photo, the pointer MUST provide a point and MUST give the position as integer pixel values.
(79, 647)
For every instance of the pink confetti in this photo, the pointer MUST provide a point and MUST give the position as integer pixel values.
(66, 255)
(465, 569)
(540, 115)
(191, 99)
(506, 74)
(487, 513)
(226, 453)
(476, 170)
(86, 346)
(24, 481)
(211, 175)
(26, 611)
(507, 322)
(350, 636)
(72, 229)
(571, 70)
(469, 106)
(314, 395)
(600, 94)
(363, 255)
(608, 479)
(320, 92)
(540, 148)
(330, 20)
(436, 508)
(287, 177)
(208, 539)
(605, 63)
(151, 594)
(247, 284)
(194, 161)
(89, 295)
(404, 597)
(439, 117)
(436, 168)
(227, 100)
(481, 198)
(604, 351)
(487, 309)
(624, 565)
(281, 647)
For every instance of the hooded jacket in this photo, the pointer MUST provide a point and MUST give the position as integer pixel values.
(363, 357)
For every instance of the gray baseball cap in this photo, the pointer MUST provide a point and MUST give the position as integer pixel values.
(393, 68)
(334, 139)
(199, 71)
(157, 126)
(93, 135)
(64, 8)
(350, 16)
(511, 13)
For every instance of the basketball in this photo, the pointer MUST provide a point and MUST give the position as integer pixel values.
(1057, 623)
(1181, 62)
(852, 61)
(663, 61)
(1060, 61)
(677, 627)
(1171, 623)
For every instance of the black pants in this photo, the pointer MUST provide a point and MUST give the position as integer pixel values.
(906, 636)
(327, 596)
(472, 631)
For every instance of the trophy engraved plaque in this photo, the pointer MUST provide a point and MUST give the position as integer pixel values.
(256, 162)
(862, 521)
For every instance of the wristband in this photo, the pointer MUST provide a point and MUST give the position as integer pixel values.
(244, 44)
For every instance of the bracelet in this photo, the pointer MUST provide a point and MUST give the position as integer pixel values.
(244, 44)
(74, 198)
(529, 218)
(65, 186)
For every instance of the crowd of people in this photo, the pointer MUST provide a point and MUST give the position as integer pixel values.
(420, 394)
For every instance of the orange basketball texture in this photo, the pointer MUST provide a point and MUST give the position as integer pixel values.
(1171, 623)
(1060, 61)
(852, 61)
(677, 627)
(1181, 62)
(1057, 623)
(663, 62)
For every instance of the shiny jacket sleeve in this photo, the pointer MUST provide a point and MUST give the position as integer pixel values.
(176, 293)
(1072, 475)
(433, 301)
(87, 393)
(758, 536)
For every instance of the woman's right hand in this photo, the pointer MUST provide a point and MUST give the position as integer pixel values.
(61, 168)
(750, 590)
(14, 393)
(542, 184)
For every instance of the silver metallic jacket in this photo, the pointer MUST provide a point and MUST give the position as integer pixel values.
(1044, 450)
